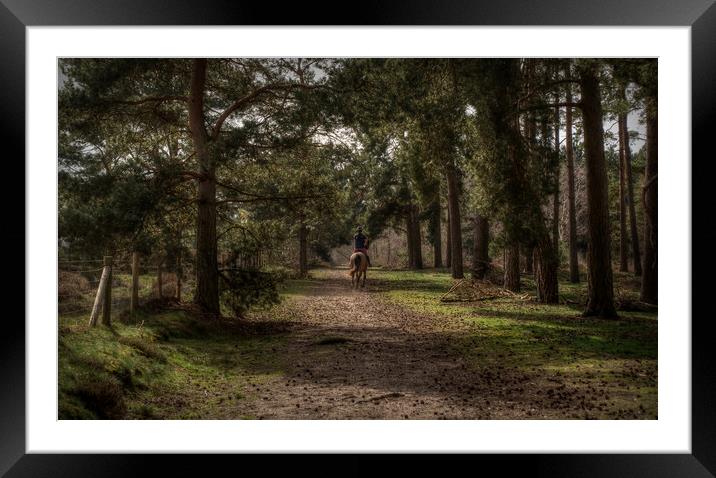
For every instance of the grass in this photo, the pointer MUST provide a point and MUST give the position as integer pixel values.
(159, 364)
(162, 365)
(619, 356)
(168, 364)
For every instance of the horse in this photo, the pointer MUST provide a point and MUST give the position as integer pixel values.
(358, 265)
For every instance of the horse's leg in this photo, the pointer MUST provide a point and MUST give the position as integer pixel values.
(357, 264)
(365, 272)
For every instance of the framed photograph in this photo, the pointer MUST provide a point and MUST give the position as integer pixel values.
(416, 228)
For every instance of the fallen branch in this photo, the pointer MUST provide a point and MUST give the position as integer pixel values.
(479, 290)
(452, 288)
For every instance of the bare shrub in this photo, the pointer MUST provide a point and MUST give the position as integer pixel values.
(71, 286)
(169, 285)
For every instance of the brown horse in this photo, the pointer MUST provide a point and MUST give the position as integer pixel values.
(358, 265)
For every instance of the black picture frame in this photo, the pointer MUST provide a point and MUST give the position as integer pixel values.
(16, 15)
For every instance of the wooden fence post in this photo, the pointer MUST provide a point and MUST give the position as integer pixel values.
(107, 307)
(99, 298)
(134, 302)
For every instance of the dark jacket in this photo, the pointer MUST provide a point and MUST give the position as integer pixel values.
(360, 241)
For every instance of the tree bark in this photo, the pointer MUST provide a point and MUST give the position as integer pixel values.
(531, 136)
(546, 271)
(544, 252)
(528, 252)
(448, 244)
(481, 261)
(207, 274)
(412, 228)
(417, 238)
(437, 239)
(409, 230)
(629, 198)
(388, 261)
(555, 199)
(600, 286)
(623, 239)
(512, 267)
(455, 223)
(569, 149)
(649, 280)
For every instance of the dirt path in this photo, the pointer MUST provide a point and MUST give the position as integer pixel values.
(354, 355)
(331, 352)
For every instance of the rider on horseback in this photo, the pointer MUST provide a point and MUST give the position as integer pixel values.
(360, 243)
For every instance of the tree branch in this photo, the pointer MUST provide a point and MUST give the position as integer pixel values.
(255, 198)
(245, 100)
(151, 99)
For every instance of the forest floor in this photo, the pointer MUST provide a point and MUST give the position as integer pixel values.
(390, 351)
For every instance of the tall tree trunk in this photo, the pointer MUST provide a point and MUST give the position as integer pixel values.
(409, 230)
(528, 252)
(623, 239)
(600, 287)
(455, 223)
(481, 261)
(437, 235)
(388, 262)
(448, 244)
(531, 136)
(417, 237)
(546, 270)
(512, 267)
(555, 199)
(629, 198)
(569, 149)
(302, 249)
(545, 249)
(412, 227)
(649, 280)
(555, 226)
(207, 273)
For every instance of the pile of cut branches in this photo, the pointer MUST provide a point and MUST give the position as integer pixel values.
(629, 302)
(472, 290)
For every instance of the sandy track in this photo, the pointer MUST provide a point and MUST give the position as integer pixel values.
(353, 355)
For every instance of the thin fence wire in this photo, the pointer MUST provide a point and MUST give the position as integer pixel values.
(77, 286)
(79, 271)
(79, 261)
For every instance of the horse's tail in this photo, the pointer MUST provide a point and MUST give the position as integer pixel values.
(352, 266)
